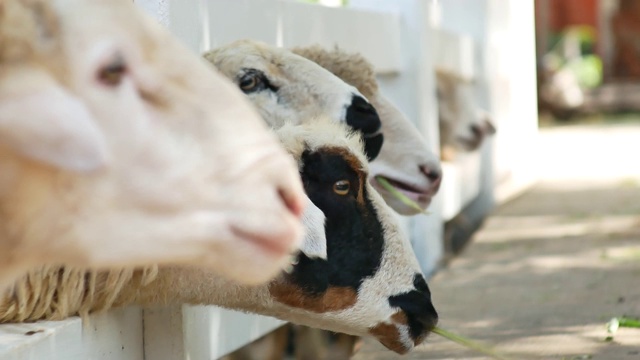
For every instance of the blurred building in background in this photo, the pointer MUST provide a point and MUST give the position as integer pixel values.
(588, 55)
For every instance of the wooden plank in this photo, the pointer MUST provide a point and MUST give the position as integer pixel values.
(375, 35)
(455, 53)
(200, 332)
(460, 183)
(113, 335)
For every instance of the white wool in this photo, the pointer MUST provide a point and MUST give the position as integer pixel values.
(314, 244)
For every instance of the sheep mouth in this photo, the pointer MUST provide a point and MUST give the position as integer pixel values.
(470, 144)
(415, 193)
(269, 244)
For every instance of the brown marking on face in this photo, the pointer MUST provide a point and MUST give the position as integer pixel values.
(335, 298)
(354, 164)
(399, 318)
(389, 336)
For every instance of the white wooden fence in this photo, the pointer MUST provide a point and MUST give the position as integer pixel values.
(398, 37)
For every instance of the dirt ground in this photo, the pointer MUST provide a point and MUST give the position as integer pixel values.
(548, 269)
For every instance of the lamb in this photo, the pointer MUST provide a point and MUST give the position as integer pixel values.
(110, 142)
(287, 88)
(405, 159)
(463, 126)
(369, 283)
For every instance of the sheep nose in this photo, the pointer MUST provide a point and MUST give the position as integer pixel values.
(416, 304)
(489, 127)
(293, 201)
(431, 172)
(477, 130)
(363, 117)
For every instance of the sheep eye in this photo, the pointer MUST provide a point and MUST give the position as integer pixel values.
(250, 82)
(341, 187)
(113, 73)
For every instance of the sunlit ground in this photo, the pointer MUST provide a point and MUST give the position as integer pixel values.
(550, 268)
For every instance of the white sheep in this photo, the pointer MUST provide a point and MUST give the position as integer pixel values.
(118, 147)
(286, 88)
(368, 284)
(463, 125)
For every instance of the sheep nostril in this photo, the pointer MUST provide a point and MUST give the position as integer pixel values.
(293, 203)
(422, 316)
(489, 127)
(432, 174)
(476, 130)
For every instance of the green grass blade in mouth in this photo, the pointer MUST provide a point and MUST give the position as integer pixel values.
(621, 321)
(629, 322)
(400, 196)
(469, 343)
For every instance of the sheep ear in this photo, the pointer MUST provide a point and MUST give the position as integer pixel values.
(314, 244)
(41, 121)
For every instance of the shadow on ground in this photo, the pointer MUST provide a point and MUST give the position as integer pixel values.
(547, 270)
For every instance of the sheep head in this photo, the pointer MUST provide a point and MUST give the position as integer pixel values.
(119, 147)
(287, 88)
(463, 125)
(369, 283)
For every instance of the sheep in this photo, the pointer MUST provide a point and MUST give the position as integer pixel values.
(113, 139)
(369, 283)
(405, 159)
(463, 126)
(288, 88)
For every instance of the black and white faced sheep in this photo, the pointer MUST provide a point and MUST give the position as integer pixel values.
(114, 138)
(368, 284)
(463, 125)
(405, 159)
(287, 88)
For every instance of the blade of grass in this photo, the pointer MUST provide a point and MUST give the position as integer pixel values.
(481, 348)
(400, 196)
(629, 322)
(622, 321)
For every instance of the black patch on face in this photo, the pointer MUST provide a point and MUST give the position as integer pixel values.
(372, 146)
(363, 117)
(416, 304)
(355, 238)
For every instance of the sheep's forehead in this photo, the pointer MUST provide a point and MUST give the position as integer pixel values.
(322, 134)
(39, 31)
(352, 68)
(27, 29)
(279, 64)
(232, 59)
